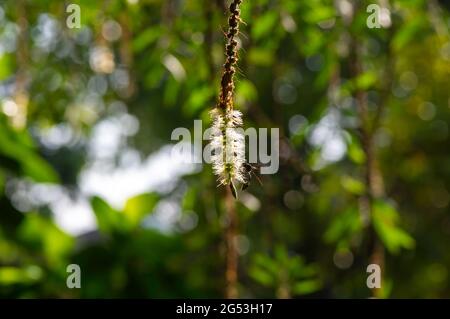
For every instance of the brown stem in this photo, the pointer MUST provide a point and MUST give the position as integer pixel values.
(372, 176)
(225, 104)
(232, 254)
(21, 94)
(377, 189)
(227, 82)
(126, 53)
(371, 172)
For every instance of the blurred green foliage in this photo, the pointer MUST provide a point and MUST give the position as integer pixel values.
(303, 232)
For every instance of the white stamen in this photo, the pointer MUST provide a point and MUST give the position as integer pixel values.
(228, 144)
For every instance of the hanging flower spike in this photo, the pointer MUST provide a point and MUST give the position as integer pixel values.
(228, 141)
(228, 146)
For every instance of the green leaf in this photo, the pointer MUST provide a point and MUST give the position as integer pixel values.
(137, 207)
(319, 13)
(43, 235)
(146, 38)
(355, 152)
(154, 77)
(108, 219)
(264, 25)
(353, 185)
(262, 57)
(312, 42)
(246, 90)
(5, 66)
(305, 271)
(266, 262)
(261, 276)
(385, 219)
(365, 80)
(408, 32)
(189, 199)
(306, 287)
(17, 146)
(172, 88)
(16, 275)
(344, 225)
(199, 99)
(39, 170)
(281, 255)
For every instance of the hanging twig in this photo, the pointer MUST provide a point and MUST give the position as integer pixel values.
(373, 178)
(232, 254)
(228, 146)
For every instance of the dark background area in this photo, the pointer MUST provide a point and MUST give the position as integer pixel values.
(86, 175)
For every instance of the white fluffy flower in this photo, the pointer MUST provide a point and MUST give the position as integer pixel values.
(228, 146)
